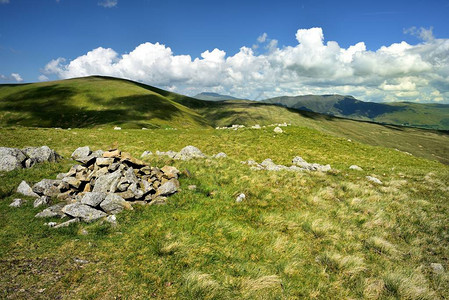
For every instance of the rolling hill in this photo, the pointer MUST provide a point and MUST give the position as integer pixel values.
(213, 97)
(105, 102)
(435, 116)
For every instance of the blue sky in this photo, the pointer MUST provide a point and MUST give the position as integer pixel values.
(34, 33)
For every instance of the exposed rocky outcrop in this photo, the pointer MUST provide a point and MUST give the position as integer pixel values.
(186, 153)
(299, 164)
(13, 158)
(104, 184)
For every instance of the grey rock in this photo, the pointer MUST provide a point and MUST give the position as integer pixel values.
(52, 211)
(169, 153)
(42, 200)
(41, 154)
(29, 163)
(107, 183)
(170, 172)
(80, 261)
(72, 181)
(189, 152)
(60, 176)
(220, 155)
(240, 198)
(13, 152)
(93, 198)
(98, 153)
(83, 211)
(112, 219)
(373, 179)
(323, 168)
(192, 187)
(437, 268)
(17, 202)
(113, 204)
(159, 201)
(9, 163)
(168, 188)
(146, 153)
(67, 223)
(81, 152)
(26, 190)
(355, 167)
(278, 130)
(51, 224)
(47, 187)
(269, 165)
(104, 161)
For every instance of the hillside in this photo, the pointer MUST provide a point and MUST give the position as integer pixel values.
(106, 102)
(435, 116)
(213, 97)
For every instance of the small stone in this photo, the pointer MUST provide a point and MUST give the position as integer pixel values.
(146, 153)
(437, 268)
(112, 153)
(168, 188)
(84, 231)
(51, 224)
(355, 167)
(17, 202)
(112, 219)
(42, 200)
(240, 198)
(72, 181)
(220, 155)
(26, 190)
(159, 201)
(47, 187)
(117, 128)
(373, 179)
(67, 223)
(170, 172)
(191, 187)
(80, 261)
(278, 130)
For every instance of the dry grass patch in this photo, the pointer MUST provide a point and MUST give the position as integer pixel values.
(265, 287)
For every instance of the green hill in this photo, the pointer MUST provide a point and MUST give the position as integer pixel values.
(435, 116)
(213, 97)
(106, 102)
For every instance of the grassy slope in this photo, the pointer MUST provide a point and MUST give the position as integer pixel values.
(297, 235)
(435, 116)
(93, 101)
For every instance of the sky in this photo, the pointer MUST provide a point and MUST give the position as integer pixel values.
(374, 50)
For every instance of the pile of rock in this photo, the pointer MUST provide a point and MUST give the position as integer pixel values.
(104, 184)
(186, 153)
(14, 158)
(299, 164)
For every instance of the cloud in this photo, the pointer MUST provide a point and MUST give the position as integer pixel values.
(107, 3)
(262, 38)
(43, 78)
(396, 72)
(13, 77)
(422, 33)
(4, 1)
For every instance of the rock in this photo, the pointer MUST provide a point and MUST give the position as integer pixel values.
(113, 204)
(51, 224)
(83, 211)
(220, 155)
(71, 181)
(29, 163)
(269, 165)
(81, 152)
(189, 152)
(93, 198)
(107, 183)
(104, 161)
(9, 163)
(191, 187)
(41, 154)
(257, 126)
(117, 128)
(80, 261)
(26, 190)
(322, 168)
(278, 130)
(169, 153)
(146, 153)
(112, 153)
(42, 200)
(52, 211)
(112, 219)
(17, 202)
(67, 223)
(159, 201)
(240, 198)
(47, 187)
(373, 179)
(60, 176)
(355, 167)
(168, 188)
(437, 268)
(170, 172)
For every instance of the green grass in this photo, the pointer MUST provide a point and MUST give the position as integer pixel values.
(297, 235)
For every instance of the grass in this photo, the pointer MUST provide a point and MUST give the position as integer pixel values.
(296, 235)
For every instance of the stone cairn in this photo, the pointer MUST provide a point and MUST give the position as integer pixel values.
(105, 183)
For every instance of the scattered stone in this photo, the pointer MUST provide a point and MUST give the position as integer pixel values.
(104, 161)
(373, 179)
(84, 231)
(42, 200)
(80, 261)
(83, 211)
(240, 198)
(437, 268)
(299, 164)
(159, 201)
(47, 187)
(257, 126)
(189, 152)
(107, 183)
(278, 130)
(67, 223)
(170, 172)
(168, 188)
(17, 202)
(26, 190)
(191, 187)
(112, 219)
(117, 128)
(146, 153)
(355, 167)
(220, 155)
(170, 153)
(52, 211)
(51, 224)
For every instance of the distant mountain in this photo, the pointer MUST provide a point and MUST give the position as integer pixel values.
(214, 97)
(435, 116)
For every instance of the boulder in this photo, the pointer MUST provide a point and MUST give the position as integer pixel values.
(278, 130)
(170, 172)
(41, 154)
(52, 211)
(9, 163)
(189, 152)
(93, 198)
(81, 152)
(83, 211)
(220, 155)
(113, 204)
(42, 200)
(17, 202)
(26, 190)
(168, 188)
(47, 187)
(355, 167)
(107, 183)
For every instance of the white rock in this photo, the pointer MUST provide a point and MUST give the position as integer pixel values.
(240, 198)
(146, 153)
(26, 190)
(17, 202)
(257, 126)
(220, 155)
(437, 268)
(355, 167)
(117, 128)
(278, 130)
(373, 179)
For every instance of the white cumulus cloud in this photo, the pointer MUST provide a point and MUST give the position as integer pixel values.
(396, 72)
(13, 77)
(108, 3)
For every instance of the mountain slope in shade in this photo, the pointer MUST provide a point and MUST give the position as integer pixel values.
(435, 116)
(213, 97)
